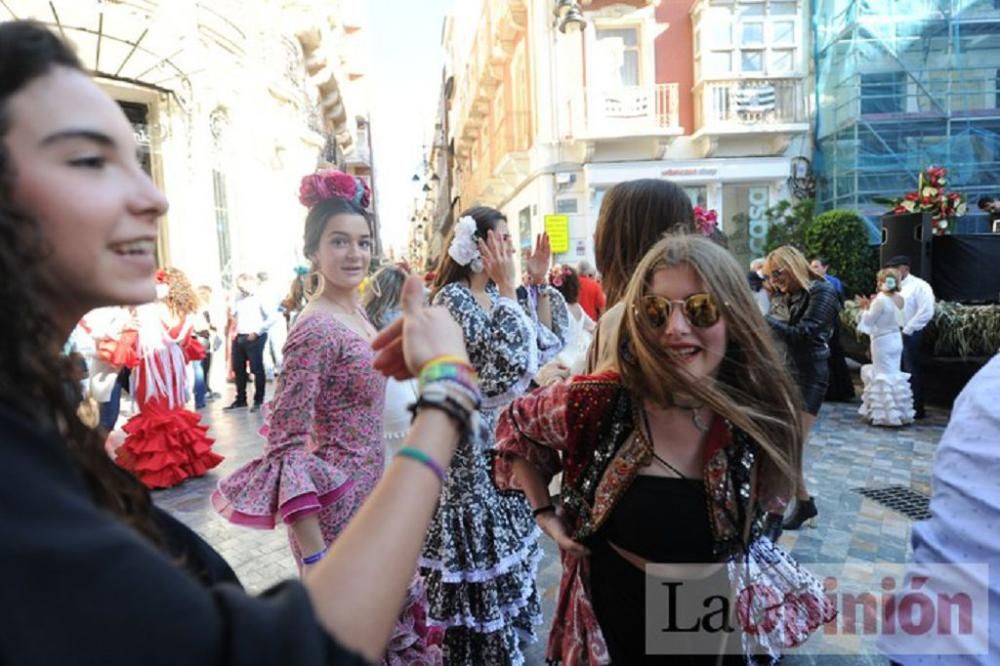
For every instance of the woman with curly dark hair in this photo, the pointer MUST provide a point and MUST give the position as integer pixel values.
(90, 573)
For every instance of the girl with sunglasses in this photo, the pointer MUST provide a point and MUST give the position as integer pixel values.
(812, 305)
(90, 571)
(672, 456)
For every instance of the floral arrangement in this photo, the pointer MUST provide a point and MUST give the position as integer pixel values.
(464, 249)
(333, 184)
(705, 220)
(931, 197)
(558, 273)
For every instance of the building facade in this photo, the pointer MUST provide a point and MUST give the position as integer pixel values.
(904, 85)
(230, 107)
(544, 118)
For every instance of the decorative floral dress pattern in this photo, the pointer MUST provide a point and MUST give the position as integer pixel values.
(481, 553)
(165, 443)
(888, 398)
(324, 454)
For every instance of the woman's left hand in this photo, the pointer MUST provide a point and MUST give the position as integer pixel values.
(538, 260)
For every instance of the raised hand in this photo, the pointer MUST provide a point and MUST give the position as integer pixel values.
(538, 261)
(423, 333)
(498, 263)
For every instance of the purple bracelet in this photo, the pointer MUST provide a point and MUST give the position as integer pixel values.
(314, 558)
(420, 456)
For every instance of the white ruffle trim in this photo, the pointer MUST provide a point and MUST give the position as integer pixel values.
(887, 399)
(521, 385)
(500, 568)
(509, 611)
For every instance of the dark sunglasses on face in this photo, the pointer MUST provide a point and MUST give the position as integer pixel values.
(700, 310)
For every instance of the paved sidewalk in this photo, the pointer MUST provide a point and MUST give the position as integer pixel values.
(842, 454)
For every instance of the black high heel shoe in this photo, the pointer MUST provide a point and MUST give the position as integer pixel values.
(805, 512)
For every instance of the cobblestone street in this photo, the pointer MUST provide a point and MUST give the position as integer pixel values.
(843, 455)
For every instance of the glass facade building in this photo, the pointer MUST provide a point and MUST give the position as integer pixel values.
(902, 85)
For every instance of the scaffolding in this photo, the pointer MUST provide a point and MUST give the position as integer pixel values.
(902, 85)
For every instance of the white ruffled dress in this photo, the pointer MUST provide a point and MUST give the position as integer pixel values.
(887, 399)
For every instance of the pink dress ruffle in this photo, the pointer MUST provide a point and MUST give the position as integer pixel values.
(285, 484)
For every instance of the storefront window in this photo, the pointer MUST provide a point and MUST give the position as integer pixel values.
(745, 222)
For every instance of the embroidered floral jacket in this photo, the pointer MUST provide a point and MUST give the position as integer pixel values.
(586, 428)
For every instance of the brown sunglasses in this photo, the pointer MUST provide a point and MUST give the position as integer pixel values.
(700, 310)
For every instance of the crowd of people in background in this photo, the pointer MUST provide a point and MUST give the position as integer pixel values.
(416, 425)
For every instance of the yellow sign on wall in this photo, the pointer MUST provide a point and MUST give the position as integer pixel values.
(557, 227)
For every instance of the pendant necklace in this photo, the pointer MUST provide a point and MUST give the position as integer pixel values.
(695, 416)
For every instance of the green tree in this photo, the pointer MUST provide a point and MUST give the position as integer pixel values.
(842, 237)
(787, 223)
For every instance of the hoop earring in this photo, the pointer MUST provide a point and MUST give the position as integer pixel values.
(313, 284)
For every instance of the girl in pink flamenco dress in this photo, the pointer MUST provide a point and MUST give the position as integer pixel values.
(324, 451)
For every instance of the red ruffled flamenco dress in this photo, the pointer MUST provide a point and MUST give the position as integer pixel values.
(165, 442)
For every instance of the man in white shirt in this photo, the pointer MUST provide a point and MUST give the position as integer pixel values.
(252, 320)
(965, 521)
(918, 310)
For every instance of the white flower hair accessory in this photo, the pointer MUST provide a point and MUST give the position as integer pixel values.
(463, 248)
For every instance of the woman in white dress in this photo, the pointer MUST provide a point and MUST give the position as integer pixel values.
(579, 334)
(887, 399)
(382, 304)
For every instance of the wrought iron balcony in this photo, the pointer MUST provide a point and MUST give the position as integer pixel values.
(623, 111)
(750, 105)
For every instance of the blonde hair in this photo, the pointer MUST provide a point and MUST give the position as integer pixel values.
(788, 258)
(383, 294)
(752, 388)
(888, 272)
(180, 299)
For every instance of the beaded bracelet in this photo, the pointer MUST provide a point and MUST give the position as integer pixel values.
(453, 408)
(471, 393)
(420, 456)
(459, 372)
(444, 358)
(314, 558)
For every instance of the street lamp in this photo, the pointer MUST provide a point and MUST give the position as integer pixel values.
(572, 20)
(562, 6)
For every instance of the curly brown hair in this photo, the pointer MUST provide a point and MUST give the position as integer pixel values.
(181, 299)
(33, 379)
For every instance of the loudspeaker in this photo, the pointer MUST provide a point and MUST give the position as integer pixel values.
(908, 235)
(966, 268)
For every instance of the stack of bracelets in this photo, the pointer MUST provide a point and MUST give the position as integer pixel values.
(448, 384)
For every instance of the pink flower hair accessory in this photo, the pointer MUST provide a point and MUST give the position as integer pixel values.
(333, 184)
(705, 220)
(558, 274)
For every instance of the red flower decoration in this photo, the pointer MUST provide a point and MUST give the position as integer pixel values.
(705, 219)
(161, 277)
(932, 198)
(333, 184)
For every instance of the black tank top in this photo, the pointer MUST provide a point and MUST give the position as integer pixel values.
(662, 519)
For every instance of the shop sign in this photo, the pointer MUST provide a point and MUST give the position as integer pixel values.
(557, 227)
(690, 171)
(758, 198)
